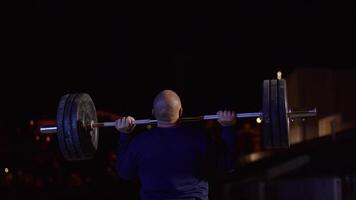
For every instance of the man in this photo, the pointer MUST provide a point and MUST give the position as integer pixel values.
(171, 161)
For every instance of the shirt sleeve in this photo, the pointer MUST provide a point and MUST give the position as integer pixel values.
(126, 164)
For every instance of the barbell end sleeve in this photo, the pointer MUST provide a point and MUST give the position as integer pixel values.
(303, 113)
(48, 130)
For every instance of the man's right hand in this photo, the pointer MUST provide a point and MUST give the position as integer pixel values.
(125, 124)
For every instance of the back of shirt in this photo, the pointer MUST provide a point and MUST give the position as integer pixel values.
(175, 160)
(171, 163)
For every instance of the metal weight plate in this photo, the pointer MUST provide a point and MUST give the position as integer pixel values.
(73, 119)
(73, 153)
(267, 127)
(60, 125)
(274, 112)
(283, 113)
(84, 137)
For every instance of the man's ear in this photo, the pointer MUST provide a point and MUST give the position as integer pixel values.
(180, 111)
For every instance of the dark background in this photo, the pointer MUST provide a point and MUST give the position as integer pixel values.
(215, 55)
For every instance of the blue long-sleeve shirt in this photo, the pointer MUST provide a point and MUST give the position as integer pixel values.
(172, 163)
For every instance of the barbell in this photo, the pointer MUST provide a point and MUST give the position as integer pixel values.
(77, 124)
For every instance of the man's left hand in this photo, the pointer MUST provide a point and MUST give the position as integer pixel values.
(226, 118)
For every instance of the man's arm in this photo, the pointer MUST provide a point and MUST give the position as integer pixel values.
(228, 154)
(230, 150)
(126, 164)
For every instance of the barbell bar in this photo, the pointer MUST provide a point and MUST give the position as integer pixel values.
(77, 125)
(291, 113)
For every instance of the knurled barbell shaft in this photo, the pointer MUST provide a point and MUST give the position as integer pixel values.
(183, 119)
(291, 114)
(53, 129)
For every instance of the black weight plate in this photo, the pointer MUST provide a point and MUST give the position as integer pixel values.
(60, 125)
(283, 113)
(82, 114)
(274, 112)
(73, 154)
(267, 132)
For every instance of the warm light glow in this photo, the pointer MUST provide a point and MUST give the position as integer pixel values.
(258, 120)
(32, 122)
(48, 139)
(279, 75)
(6, 170)
(37, 137)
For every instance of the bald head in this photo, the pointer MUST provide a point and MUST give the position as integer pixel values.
(167, 106)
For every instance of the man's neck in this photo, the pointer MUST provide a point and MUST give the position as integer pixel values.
(167, 124)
